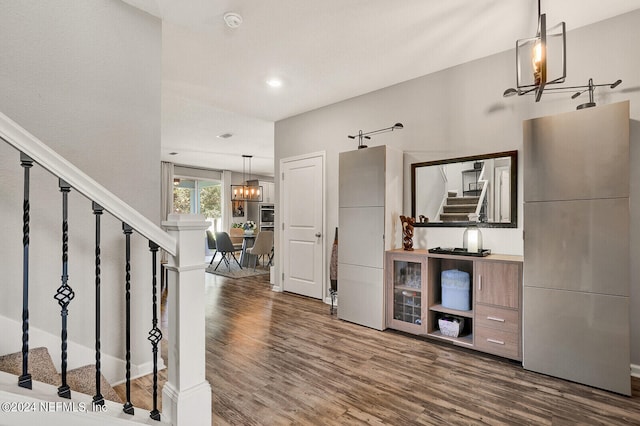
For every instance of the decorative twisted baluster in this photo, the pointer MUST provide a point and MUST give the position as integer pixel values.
(155, 335)
(128, 230)
(25, 379)
(98, 399)
(64, 294)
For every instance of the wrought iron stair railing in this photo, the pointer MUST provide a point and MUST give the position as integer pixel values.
(33, 152)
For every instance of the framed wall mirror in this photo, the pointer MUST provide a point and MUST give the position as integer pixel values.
(480, 190)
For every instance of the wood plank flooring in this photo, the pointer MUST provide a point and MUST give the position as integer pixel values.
(282, 359)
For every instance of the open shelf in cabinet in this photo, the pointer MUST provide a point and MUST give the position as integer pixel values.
(456, 312)
(466, 335)
(435, 267)
(465, 340)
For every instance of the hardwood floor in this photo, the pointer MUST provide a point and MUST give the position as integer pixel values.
(282, 359)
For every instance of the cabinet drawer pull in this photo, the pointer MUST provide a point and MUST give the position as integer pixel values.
(495, 319)
(479, 282)
(497, 342)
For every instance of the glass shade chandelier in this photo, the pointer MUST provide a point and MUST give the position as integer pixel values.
(249, 190)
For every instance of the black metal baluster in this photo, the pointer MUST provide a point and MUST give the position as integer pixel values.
(64, 294)
(98, 399)
(25, 379)
(155, 335)
(128, 406)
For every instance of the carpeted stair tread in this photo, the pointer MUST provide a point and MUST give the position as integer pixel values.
(41, 366)
(42, 369)
(83, 380)
(460, 208)
(462, 200)
(454, 217)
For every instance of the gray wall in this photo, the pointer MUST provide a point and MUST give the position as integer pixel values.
(460, 111)
(84, 77)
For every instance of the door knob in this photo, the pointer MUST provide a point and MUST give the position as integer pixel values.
(318, 235)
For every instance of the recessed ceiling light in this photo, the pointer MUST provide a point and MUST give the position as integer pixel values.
(225, 135)
(232, 19)
(173, 153)
(274, 82)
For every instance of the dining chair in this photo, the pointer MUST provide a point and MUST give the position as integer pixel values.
(211, 242)
(237, 237)
(261, 247)
(225, 247)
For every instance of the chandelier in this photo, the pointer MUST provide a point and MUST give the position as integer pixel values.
(249, 190)
(540, 60)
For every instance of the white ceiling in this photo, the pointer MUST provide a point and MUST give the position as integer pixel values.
(324, 51)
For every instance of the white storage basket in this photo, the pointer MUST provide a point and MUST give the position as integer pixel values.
(451, 327)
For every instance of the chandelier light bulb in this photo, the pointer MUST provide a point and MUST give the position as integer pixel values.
(536, 61)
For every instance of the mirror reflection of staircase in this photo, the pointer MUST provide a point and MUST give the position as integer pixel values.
(457, 209)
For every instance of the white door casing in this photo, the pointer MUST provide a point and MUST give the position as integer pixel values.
(303, 239)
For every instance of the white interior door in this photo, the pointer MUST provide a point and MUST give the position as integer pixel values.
(503, 194)
(303, 221)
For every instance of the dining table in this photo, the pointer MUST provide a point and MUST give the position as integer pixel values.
(247, 242)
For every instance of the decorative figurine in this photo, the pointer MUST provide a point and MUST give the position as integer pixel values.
(407, 230)
(423, 218)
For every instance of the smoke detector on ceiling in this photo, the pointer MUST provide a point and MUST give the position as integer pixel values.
(232, 19)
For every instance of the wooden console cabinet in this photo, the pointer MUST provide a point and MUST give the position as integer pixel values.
(494, 322)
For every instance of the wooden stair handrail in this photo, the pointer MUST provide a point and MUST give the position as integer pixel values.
(16, 136)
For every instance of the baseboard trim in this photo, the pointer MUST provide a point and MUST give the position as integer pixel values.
(113, 368)
(635, 370)
(327, 301)
(141, 370)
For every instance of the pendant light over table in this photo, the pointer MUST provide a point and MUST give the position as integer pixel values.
(249, 190)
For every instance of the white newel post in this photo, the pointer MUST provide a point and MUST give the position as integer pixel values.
(186, 397)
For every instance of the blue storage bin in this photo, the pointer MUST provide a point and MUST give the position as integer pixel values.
(456, 290)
